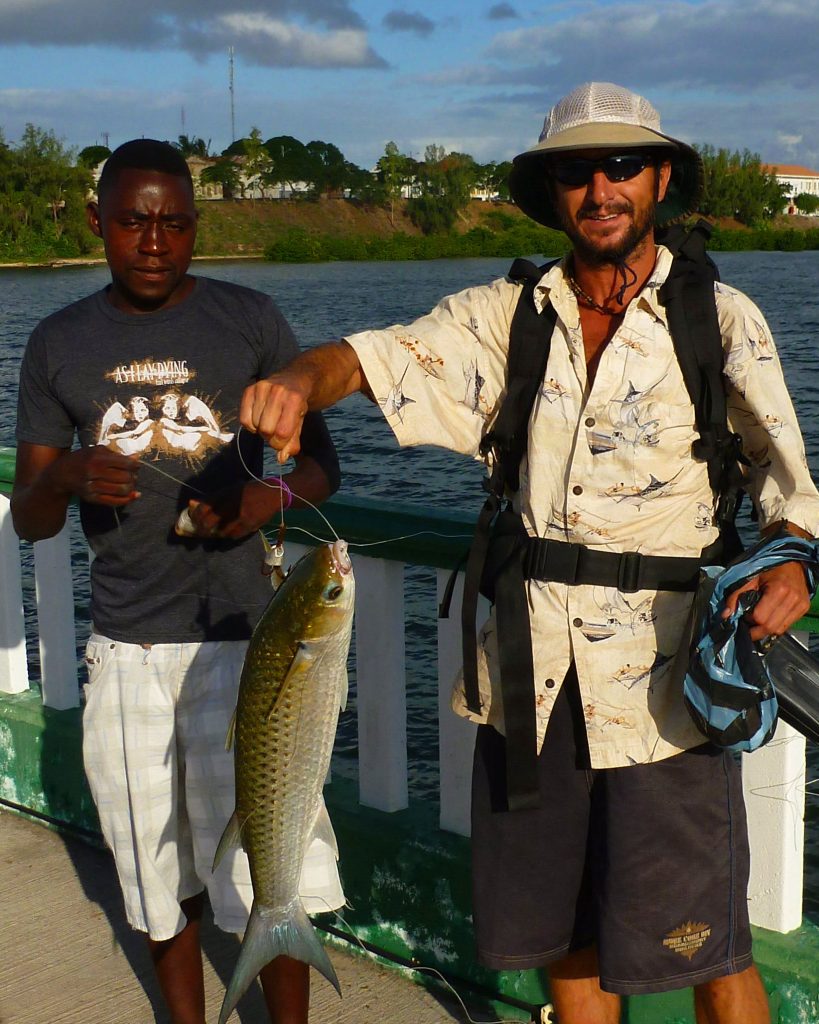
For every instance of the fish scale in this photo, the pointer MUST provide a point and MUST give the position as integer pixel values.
(294, 681)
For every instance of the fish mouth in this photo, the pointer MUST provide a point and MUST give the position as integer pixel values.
(341, 558)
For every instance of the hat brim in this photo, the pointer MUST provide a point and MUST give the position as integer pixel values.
(528, 180)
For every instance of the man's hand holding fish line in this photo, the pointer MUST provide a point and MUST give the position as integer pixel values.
(47, 479)
(275, 407)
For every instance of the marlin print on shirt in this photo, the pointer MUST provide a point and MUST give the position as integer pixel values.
(552, 390)
(618, 616)
(395, 401)
(631, 494)
(630, 676)
(474, 383)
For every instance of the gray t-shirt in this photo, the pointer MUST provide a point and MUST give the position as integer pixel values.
(166, 387)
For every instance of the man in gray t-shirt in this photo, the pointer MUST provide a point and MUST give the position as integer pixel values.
(148, 375)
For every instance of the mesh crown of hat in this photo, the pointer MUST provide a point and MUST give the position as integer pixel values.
(599, 102)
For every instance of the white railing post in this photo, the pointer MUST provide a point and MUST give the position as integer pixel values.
(381, 684)
(55, 616)
(773, 781)
(456, 735)
(13, 661)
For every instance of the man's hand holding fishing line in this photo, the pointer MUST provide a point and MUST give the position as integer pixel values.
(276, 406)
(47, 479)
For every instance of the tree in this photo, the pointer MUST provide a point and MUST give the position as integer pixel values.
(806, 203)
(224, 172)
(395, 173)
(738, 185)
(327, 167)
(291, 163)
(91, 156)
(257, 163)
(190, 146)
(364, 186)
(49, 180)
(445, 181)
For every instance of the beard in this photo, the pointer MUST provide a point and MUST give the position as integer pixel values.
(601, 254)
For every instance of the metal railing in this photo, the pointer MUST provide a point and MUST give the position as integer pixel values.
(773, 777)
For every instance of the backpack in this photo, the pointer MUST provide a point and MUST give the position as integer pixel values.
(503, 556)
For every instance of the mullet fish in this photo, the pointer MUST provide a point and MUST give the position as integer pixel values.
(294, 681)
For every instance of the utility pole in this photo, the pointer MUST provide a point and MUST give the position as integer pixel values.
(232, 111)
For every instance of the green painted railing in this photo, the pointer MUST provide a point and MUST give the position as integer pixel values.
(425, 536)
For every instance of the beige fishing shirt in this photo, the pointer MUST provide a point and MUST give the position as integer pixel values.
(609, 466)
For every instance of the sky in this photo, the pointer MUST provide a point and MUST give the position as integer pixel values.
(474, 77)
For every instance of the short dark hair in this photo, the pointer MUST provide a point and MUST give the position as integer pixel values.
(143, 155)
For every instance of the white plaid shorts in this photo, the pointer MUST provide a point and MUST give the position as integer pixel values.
(154, 729)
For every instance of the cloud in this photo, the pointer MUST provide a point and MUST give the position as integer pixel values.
(502, 12)
(734, 45)
(289, 33)
(274, 43)
(408, 21)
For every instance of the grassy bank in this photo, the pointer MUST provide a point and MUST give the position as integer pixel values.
(301, 231)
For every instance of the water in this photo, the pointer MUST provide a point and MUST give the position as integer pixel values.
(326, 301)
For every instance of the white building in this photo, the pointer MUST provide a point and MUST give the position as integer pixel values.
(798, 179)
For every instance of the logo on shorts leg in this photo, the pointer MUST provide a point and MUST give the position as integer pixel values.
(688, 939)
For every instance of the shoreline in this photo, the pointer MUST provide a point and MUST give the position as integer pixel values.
(99, 261)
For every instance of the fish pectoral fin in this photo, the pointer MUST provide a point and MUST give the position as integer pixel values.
(303, 661)
(344, 690)
(231, 733)
(232, 836)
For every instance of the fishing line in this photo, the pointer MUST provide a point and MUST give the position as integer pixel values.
(322, 540)
(405, 963)
(274, 487)
(305, 501)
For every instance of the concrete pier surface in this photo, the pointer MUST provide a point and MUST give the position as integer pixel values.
(69, 957)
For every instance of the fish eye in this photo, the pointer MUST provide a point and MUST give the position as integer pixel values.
(334, 592)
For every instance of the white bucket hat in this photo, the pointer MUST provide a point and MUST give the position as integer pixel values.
(599, 115)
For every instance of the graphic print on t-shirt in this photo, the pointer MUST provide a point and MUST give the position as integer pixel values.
(166, 417)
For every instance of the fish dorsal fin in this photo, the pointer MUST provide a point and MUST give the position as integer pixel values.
(303, 661)
(231, 733)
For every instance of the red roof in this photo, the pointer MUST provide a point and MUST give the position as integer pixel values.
(791, 171)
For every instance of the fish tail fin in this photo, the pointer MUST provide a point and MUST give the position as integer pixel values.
(270, 934)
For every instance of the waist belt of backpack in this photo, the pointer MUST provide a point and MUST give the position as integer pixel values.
(558, 561)
(627, 571)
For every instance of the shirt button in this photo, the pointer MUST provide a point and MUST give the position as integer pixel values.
(590, 421)
(549, 684)
(577, 622)
(577, 489)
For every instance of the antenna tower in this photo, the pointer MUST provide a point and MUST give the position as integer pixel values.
(232, 111)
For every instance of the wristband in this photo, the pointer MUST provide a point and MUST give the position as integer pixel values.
(287, 494)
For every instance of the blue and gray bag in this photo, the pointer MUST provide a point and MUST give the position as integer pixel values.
(728, 688)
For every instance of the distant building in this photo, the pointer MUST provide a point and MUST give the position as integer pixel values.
(798, 179)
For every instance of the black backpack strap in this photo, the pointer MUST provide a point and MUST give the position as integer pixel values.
(688, 298)
(529, 343)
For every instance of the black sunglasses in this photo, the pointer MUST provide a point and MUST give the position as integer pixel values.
(619, 167)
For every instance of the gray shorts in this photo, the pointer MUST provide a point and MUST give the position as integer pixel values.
(154, 730)
(648, 862)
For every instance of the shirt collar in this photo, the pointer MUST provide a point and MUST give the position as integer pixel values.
(552, 287)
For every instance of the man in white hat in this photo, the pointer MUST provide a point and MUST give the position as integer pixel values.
(631, 874)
